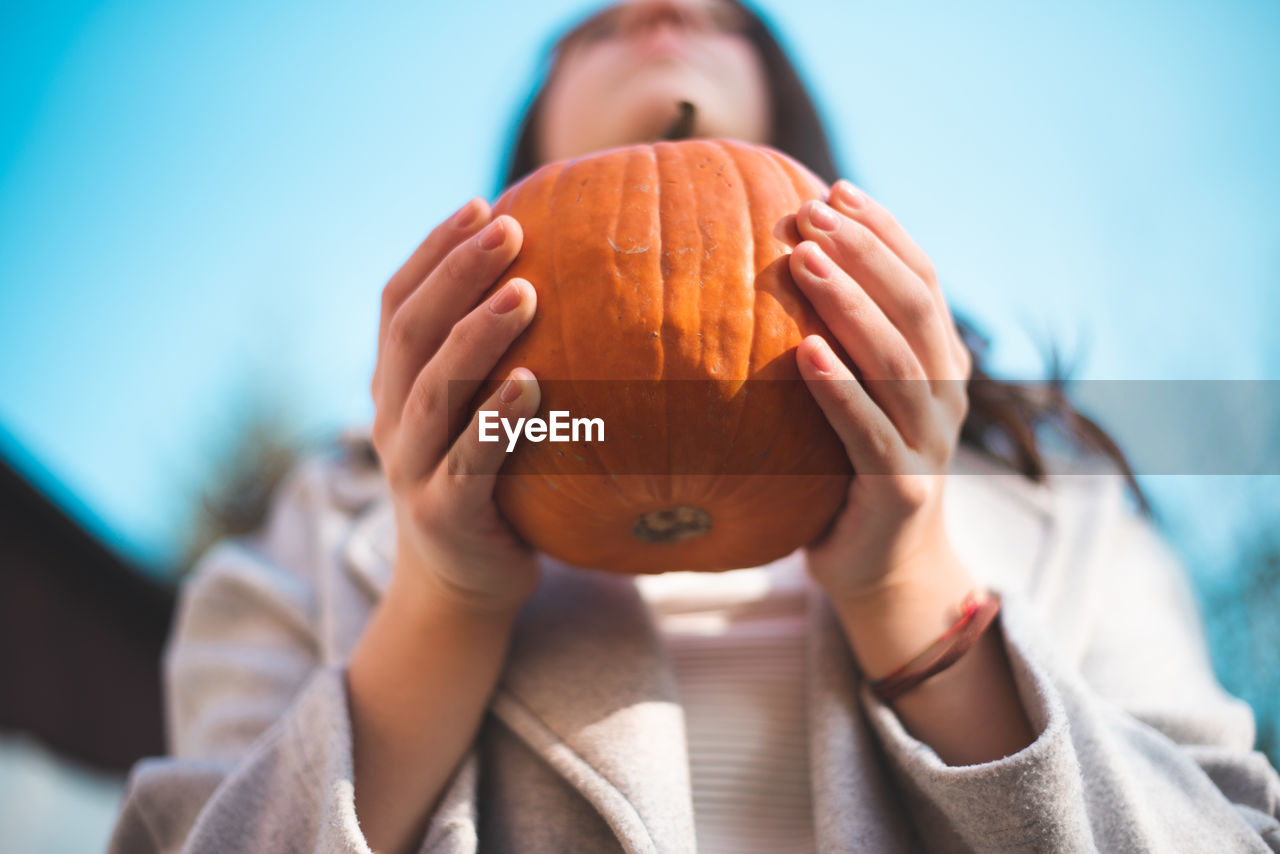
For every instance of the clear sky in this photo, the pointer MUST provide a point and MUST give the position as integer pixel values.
(200, 201)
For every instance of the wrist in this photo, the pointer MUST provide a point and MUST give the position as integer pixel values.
(420, 628)
(889, 622)
(428, 598)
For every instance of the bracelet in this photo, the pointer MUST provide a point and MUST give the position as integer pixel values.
(942, 653)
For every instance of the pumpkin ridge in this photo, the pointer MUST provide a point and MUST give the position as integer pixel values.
(564, 343)
(555, 180)
(702, 256)
(739, 414)
(614, 275)
(662, 276)
(699, 275)
(648, 158)
(663, 488)
(798, 306)
(744, 386)
(687, 157)
(557, 185)
(752, 251)
(681, 161)
(557, 190)
(796, 303)
(674, 162)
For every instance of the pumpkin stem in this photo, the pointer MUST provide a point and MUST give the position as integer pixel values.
(682, 127)
(672, 524)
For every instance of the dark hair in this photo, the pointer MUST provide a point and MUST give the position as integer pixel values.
(1006, 420)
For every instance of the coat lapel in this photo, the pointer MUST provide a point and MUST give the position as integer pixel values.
(855, 807)
(1003, 528)
(587, 686)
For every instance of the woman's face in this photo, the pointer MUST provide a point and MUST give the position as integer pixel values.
(621, 75)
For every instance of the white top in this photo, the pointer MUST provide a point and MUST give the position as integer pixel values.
(736, 641)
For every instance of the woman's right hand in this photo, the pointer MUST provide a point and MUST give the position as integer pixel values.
(436, 344)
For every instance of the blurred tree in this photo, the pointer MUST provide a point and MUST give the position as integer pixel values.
(247, 464)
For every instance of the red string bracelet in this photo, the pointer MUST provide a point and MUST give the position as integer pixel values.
(974, 619)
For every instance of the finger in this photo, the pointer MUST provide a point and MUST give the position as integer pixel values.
(872, 442)
(465, 222)
(471, 467)
(903, 296)
(438, 401)
(450, 290)
(856, 204)
(894, 375)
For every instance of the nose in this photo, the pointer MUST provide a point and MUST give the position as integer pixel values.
(646, 15)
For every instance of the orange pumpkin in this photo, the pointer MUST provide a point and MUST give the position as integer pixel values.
(666, 308)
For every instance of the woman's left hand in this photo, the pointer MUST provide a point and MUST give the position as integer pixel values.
(877, 292)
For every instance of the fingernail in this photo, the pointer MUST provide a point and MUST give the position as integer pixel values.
(506, 299)
(822, 217)
(849, 195)
(510, 390)
(817, 262)
(466, 216)
(491, 238)
(820, 357)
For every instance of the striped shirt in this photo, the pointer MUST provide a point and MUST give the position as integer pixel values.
(736, 641)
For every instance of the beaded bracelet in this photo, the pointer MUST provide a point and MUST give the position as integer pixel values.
(943, 652)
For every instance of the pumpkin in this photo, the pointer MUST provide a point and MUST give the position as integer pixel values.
(666, 308)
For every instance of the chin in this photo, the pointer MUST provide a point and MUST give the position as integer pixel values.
(646, 110)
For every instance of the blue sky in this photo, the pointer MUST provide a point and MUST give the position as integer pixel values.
(200, 202)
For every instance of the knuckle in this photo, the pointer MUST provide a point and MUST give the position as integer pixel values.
(851, 302)
(966, 361)
(378, 436)
(953, 400)
(928, 271)
(935, 444)
(911, 491)
(455, 462)
(844, 392)
(461, 463)
(423, 402)
(881, 448)
(918, 307)
(464, 337)
(379, 431)
(390, 298)
(382, 434)
(899, 365)
(857, 238)
(401, 331)
(917, 418)
(459, 262)
(424, 507)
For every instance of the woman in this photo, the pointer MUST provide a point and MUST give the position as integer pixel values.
(386, 666)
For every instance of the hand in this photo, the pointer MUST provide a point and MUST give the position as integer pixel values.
(435, 347)
(900, 423)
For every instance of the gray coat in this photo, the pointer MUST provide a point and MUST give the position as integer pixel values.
(583, 749)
